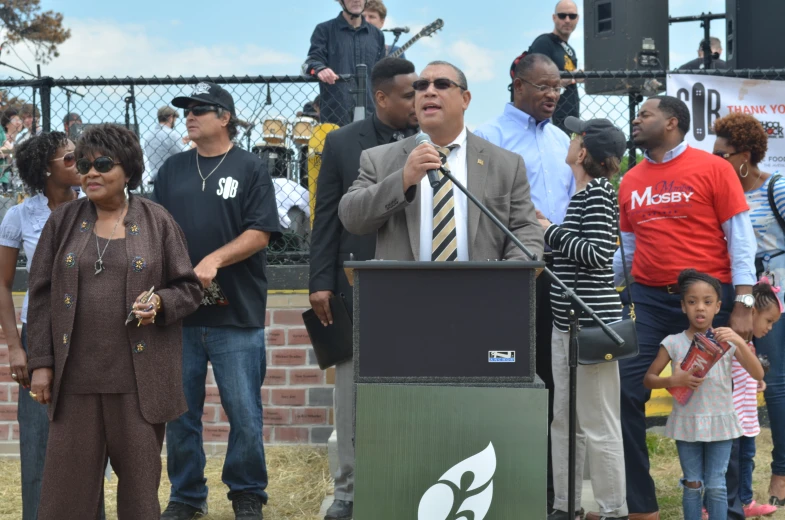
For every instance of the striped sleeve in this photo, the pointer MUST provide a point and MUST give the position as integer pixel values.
(595, 245)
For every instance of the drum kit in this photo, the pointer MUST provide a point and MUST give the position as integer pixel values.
(286, 145)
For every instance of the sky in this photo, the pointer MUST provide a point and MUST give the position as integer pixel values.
(271, 37)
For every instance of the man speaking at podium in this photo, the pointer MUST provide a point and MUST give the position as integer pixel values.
(393, 196)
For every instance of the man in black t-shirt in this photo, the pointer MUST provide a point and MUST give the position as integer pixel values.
(555, 46)
(223, 199)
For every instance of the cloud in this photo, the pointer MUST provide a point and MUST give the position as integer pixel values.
(478, 63)
(107, 48)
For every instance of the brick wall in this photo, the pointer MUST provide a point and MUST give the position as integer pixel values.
(297, 396)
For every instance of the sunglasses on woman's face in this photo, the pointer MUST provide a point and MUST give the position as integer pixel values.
(101, 164)
(726, 155)
(200, 110)
(564, 16)
(68, 159)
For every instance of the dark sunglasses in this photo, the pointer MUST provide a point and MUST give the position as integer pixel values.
(564, 16)
(422, 85)
(101, 164)
(68, 159)
(200, 110)
(726, 155)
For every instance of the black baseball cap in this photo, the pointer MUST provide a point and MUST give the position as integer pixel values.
(601, 137)
(208, 93)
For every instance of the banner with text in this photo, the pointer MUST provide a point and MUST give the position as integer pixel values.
(710, 98)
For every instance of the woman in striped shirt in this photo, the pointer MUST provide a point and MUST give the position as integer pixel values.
(583, 248)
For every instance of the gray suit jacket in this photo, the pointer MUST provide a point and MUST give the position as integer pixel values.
(376, 202)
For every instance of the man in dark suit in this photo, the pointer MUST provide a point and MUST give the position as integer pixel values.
(331, 243)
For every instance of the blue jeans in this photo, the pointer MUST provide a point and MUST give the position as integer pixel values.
(773, 346)
(659, 314)
(33, 434)
(239, 366)
(706, 464)
(747, 466)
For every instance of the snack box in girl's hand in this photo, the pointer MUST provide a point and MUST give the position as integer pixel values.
(703, 353)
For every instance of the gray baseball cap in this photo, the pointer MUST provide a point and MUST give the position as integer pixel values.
(601, 137)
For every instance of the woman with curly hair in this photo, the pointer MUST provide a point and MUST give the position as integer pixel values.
(743, 142)
(47, 166)
(98, 258)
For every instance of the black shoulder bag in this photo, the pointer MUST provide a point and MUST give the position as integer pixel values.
(760, 268)
(594, 346)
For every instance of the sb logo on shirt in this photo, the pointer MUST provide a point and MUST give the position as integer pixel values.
(227, 187)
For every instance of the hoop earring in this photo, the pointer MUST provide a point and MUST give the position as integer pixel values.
(746, 171)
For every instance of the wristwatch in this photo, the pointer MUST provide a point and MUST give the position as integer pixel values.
(747, 300)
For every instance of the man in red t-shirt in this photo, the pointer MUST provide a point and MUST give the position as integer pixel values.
(680, 208)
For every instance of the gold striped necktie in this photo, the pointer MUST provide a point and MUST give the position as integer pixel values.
(445, 241)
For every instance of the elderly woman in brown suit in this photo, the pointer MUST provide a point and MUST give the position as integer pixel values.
(122, 381)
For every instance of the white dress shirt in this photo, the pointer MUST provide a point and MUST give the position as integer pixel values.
(459, 169)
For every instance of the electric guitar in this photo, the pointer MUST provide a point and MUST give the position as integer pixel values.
(428, 30)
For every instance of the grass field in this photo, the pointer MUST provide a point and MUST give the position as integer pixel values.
(666, 471)
(299, 481)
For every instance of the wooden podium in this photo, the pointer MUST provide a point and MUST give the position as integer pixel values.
(450, 416)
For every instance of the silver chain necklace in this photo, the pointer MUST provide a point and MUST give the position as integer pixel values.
(204, 179)
(99, 264)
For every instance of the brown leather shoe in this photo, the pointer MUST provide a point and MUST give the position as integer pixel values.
(645, 516)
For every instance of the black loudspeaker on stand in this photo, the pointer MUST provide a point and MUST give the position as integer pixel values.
(577, 306)
(624, 35)
(747, 24)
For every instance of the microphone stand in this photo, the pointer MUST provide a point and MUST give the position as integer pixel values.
(577, 306)
(395, 40)
(247, 136)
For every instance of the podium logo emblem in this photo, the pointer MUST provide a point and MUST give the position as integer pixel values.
(464, 491)
(501, 356)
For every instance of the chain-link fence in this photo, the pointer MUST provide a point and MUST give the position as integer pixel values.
(280, 121)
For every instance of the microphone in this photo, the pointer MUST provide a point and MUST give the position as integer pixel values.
(433, 175)
(397, 30)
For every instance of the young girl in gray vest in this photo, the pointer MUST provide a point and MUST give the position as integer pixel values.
(704, 428)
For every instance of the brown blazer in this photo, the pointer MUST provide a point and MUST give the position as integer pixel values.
(157, 256)
(376, 202)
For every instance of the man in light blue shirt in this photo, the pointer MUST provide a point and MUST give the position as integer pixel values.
(525, 128)
(161, 143)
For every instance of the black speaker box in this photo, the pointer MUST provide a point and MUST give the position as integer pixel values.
(750, 27)
(615, 32)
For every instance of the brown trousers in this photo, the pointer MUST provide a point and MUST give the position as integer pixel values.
(87, 429)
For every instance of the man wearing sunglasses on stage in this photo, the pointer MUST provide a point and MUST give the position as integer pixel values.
(413, 221)
(554, 45)
(224, 200)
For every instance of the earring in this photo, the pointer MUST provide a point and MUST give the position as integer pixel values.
(746, 171)
(48, 174)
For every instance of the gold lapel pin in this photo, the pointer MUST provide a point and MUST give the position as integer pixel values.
(480, 162)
